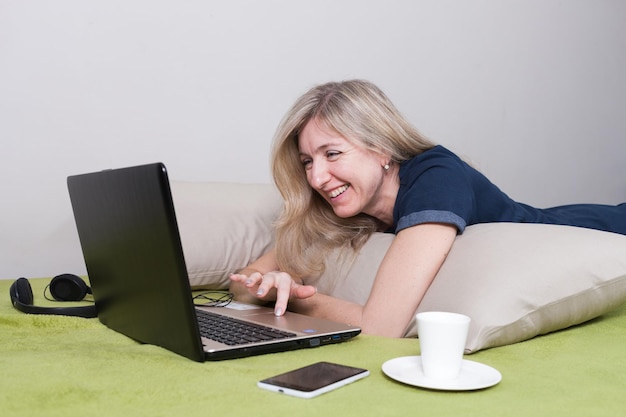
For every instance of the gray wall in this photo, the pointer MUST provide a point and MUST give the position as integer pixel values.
(533, 92)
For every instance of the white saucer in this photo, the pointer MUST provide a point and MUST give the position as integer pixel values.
(473, 376)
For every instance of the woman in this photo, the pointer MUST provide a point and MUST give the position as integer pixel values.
(348, 164)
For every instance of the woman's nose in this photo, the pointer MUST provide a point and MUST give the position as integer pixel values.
(319, 174)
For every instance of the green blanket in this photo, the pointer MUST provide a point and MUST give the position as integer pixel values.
(65, 366)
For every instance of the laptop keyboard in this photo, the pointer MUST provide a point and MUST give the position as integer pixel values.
(232, 331)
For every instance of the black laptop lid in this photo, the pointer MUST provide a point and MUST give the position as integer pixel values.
(133, 254)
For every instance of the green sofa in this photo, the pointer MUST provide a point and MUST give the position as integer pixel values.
(547, 305)
(66, 366)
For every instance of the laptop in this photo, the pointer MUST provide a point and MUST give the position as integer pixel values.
(133, 253)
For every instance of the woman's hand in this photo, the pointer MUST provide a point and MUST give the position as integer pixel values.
(274, 285)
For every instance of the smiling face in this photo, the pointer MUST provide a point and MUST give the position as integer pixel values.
(350, 177)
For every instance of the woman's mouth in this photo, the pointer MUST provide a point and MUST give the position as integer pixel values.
(338, 191)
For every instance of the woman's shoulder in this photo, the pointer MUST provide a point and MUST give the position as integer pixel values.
(437, 152)
(435, 156)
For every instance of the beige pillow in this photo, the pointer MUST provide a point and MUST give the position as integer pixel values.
(515, 281)
(223, 227)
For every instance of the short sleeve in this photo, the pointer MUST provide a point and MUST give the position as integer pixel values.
(434, 188)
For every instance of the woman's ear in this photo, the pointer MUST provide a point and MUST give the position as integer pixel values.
(385, 161)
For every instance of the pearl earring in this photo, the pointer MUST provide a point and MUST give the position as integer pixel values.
(386, 167)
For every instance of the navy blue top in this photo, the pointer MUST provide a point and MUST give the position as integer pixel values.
(438, 187)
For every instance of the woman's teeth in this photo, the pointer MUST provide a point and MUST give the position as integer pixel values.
(338, 191)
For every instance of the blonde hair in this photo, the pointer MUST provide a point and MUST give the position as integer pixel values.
(307, 228)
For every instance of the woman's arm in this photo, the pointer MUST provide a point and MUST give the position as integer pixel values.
(406, 272)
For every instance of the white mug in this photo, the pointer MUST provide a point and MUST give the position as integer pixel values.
(442, 337)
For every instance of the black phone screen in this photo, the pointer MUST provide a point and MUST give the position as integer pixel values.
(314, 377)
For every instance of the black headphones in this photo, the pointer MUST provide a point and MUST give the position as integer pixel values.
(64, 287)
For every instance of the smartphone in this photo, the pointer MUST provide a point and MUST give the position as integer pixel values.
(313, 380)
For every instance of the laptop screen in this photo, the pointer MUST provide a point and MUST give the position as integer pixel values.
(133, 254)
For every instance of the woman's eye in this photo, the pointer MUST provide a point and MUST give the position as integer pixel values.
(332, 155)
(306, 163)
